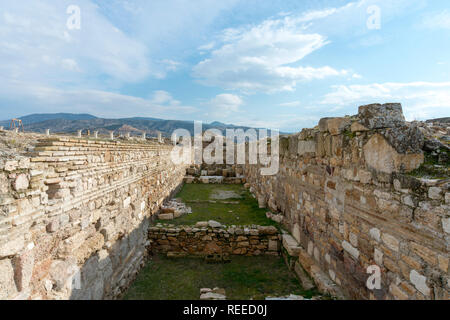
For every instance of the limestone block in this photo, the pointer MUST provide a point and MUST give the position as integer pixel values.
(323, 124)
(214, 224)
(435, 193)
(7, 284)
(446, 225)
(12, 247)
(305, 147)
(357, 127)
(381, 156)
(377, 116)
(378, 257)
(420, 282)
(375, 234)
(350, 249)
(291, 245)
(391, 242)
(337, 125)
(24, 265)
(273, 245)
(21, 182)
(166, 216)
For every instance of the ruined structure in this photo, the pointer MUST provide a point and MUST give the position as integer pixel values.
(75, 215)
(349, 203)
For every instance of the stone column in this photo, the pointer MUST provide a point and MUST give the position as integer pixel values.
(47, 132)
(160, 140)
(1, 128)
(128, 135)
(144, 135)
(111, 135)
(95, 134)
(79, 133)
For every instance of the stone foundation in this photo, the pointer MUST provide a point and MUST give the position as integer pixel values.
(204, 241)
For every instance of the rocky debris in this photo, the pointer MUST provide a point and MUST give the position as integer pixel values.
(214, 224)
(212, 294)
(380, 116)
(405, 139)
(289, 297)
(278, 218)
(173, 209)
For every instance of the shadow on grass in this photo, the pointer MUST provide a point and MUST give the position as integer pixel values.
(243, 279)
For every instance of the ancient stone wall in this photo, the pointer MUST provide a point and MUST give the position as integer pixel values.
(346, 197)
(202, 240)
(74, 216)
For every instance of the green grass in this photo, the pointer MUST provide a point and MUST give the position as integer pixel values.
(198, 197)
(431, 168)
(243, 279)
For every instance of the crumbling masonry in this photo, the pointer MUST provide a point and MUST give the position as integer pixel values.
(75, 214)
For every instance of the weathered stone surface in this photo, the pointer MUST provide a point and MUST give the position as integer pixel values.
(305, 147)
(291, 245)
(8, 287)
(166, 216)
(21, 182)
(420, 282)
(214, 224)
(381, 156)
(350, 249)
(338, 125)
(378, 116)
(12, 247)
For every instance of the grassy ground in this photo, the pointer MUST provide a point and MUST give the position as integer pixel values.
(243, 279)
(240, 209)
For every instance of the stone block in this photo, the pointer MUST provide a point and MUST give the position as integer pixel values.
(166, 216)
(381, 156)
(350, 249)
(420, 282)
(8, 287)
(338, 125)
(291, 245)
(378, 116)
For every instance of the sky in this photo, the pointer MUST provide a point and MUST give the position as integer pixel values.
(280, 64)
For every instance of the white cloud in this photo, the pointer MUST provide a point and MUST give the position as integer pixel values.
(224, 105)
(36, 45)
(43, 99)
(440, 20)
(262, 58)
(420, 100)
(290, 104)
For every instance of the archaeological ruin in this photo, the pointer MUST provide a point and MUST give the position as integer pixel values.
(353, 196)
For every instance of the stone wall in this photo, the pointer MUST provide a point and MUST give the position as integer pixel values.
(346, 197)
(203, 240)
(74, 216)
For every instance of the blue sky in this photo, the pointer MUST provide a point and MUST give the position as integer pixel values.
(281, 64)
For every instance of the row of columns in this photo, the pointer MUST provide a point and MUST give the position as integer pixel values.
(111, 134)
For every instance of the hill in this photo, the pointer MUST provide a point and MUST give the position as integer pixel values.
(70, 123)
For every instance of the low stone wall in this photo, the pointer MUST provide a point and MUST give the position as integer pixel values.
(203, 241)
(214, 180)
(74, 216)
(346, 197)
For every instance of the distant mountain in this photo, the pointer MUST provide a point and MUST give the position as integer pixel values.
(440, 120)
(71, 123)
(40, 117)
